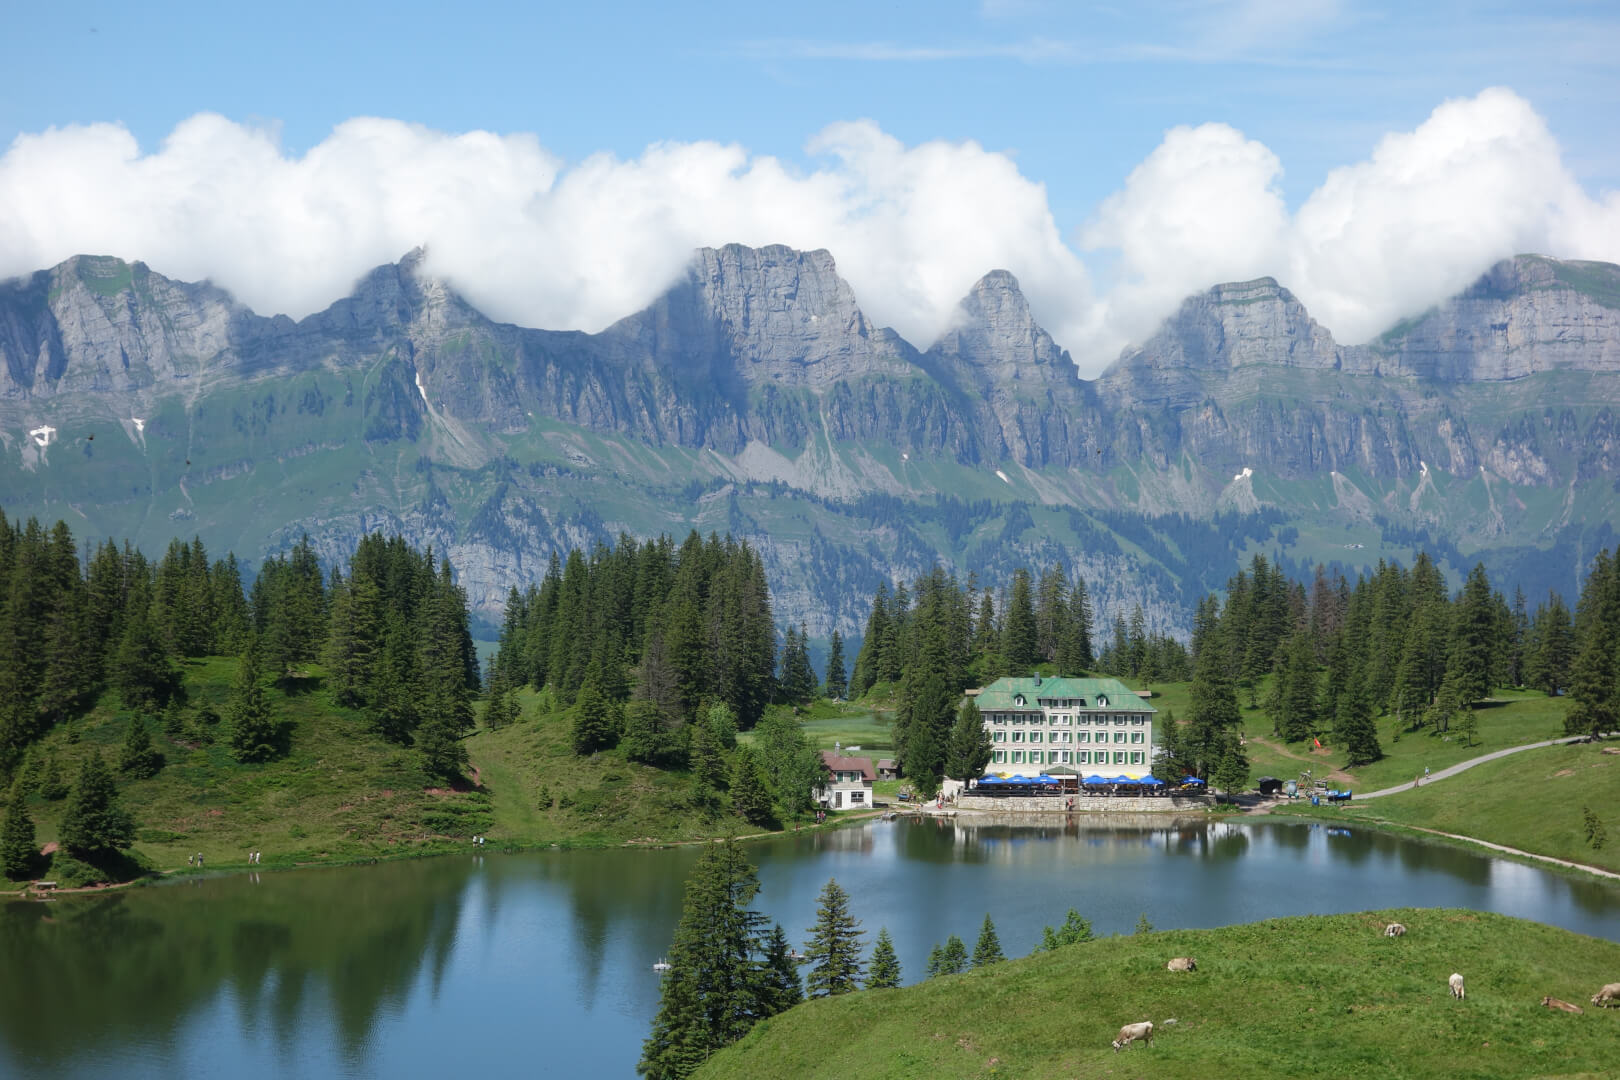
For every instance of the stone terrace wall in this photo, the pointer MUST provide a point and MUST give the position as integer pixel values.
(1057, 804)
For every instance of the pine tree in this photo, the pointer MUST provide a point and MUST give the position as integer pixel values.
(748, 795)
(1474, 635)
(1074, 930)
(1142, 924)
(139, 758)
(714, 990)
(51, 784)
(834, 950)
(1468, 726)
(987, 950)
(1018, 631)
(1231, 774)
(837, 685)
(953, 958)
(94, 822)
(1354, 727)
(143, 673)
(444, 755)
(969, 749)
(936, 962)
(253, 728)
(708, 766)
(722, 722)
(781, 988)
(595, 723)
(883, 973)
(17, 846)
(1594, 682)
(1551, 648)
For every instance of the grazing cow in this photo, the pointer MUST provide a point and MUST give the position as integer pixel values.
(1394, 929)
(1131, 1032)
(1182, 963)
(1562, 1006)
(1608, 997)
(1456, 984)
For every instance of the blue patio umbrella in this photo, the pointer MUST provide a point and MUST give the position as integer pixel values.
(1152, 781)
(989, 778)
(1094, 780)
(1045, 779)
(1191, 780)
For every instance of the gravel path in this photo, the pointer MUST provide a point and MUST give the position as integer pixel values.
(1453, 770)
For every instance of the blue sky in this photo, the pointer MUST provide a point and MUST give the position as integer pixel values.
(1075, 96)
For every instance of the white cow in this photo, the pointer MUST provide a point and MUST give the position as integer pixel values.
(1131, 1032)
(1456, 984)
(1607, 996)
(1182, 963)
(1394, 929)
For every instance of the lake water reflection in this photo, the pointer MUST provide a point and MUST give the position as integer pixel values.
(540, 964)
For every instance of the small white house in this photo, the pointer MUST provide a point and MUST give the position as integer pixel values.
(848, 785)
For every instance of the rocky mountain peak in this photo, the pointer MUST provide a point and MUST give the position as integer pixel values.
(772, 314)
(995, 330)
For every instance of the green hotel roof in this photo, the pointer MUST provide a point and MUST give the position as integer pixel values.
(998, 696)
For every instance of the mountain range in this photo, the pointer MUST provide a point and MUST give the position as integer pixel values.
(755, 397)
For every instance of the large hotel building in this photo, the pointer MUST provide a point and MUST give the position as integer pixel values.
(1089, 725)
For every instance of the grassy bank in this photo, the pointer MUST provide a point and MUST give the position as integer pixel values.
(343, 794)
(1309, 996)
(1532, 801)
(1510, 718)
(340, 794)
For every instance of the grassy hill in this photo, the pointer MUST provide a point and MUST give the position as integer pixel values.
(1308, 996)
(1532, 801)
(342, 793)
(1508, 718)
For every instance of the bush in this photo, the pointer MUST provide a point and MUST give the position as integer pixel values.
(71, 873)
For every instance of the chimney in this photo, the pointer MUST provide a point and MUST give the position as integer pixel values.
(1037, 678)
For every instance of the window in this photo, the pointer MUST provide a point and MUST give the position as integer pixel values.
(1066, 736)
(1082, 736)
(1018, 699)
(1119, 721)
(1001, 736)
(1102, 702)
(1018, 757)
(1051, 757)
(1136, 757)
(1065, 757)
(1119, 736)
(999, 757)
(1056, 720)
(1119, 757)
(1138, 719)
(1136, 736)
(1018, 736)
(857, 796)
(1034, 736)
(1082, 757)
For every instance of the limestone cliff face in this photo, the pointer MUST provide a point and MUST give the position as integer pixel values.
(759, 364)
(1527, 315)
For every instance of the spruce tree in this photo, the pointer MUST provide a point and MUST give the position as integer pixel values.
(936, 962)
(987, 950)
(1142, 924)
(139, 758)
(142, 671)
(94, 822)
(708, 766)
(834, 950)
(969, 749)
(253, 728)
(595, 722)
(714, 990)
(1074, 930)
(953, 958)
(749, 798)
(1468, 726)
(1474, 636)
(781, 988)
(836, 684)
(1231, 773)
(444, 755)
(17, 847)
(1354, 727)
(1018, 629)
(883, 973)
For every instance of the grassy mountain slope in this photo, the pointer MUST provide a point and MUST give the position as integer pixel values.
(1309, 996)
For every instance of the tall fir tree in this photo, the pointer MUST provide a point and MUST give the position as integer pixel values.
(95, 823)
(714, 991)
(834, 950)
(17, 847)
(837, 684)
(749, 798)
(1018, 637)
(138, 758)
(248, 715)
(1074, 930)
(781, 988)
(969, 749)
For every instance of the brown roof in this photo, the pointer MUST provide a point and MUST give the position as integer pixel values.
(862, 765)
(885, 763)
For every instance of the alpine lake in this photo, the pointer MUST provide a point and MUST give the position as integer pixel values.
(541, 963)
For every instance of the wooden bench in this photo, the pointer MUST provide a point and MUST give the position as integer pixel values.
(41, 886)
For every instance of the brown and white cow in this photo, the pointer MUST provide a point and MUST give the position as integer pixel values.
(1131, 1032)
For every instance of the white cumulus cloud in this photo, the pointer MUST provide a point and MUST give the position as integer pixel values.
(1481, 179)
(535, 240)
(524, 238)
